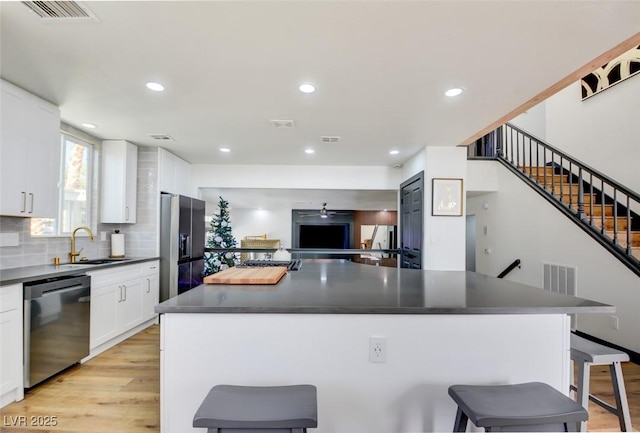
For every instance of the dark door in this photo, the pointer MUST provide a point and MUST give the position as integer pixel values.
(197, 229)
(184, 230)
(411, 197)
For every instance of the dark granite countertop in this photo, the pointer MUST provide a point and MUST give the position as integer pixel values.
(41, 272)
(333, 287)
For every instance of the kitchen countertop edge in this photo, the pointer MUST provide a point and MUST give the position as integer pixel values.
(40, 272)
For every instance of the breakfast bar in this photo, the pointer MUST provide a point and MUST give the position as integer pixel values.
(318, 326)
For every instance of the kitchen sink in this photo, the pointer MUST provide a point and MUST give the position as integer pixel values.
(97, 261)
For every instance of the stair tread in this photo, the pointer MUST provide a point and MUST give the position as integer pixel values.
(569, 192)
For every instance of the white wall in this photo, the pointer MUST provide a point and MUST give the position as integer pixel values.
(290, 176)
(521, 224)
(481, 177)
(534, 121)
(444, 236)
(443, 244)
(601, 131)
(275, 223)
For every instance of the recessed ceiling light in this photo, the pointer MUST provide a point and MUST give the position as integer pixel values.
(453, 92)
(307, 88)
(155, 87)
(309, 151)
(394, 152)
(89, 125)
(225, 149)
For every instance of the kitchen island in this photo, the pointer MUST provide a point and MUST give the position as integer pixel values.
(316, 325)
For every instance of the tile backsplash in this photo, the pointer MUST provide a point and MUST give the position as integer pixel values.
(141, 238)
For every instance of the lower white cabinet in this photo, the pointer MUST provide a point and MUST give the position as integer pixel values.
(11, 352)
(150, 296)
(122, 298)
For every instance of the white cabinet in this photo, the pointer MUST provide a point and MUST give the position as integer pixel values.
(119, 182)
(151, 290)
(130, 308)
(174, 174)
(104, 314)
(11, 387)
(30, 149)
(122, 298)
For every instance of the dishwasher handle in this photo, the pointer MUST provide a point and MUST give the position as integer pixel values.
(37, 289)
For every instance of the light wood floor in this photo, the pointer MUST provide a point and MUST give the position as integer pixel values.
(119, 392)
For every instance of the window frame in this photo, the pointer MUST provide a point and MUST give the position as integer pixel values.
(66, 137)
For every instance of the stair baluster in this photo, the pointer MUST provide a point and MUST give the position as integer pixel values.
(565, 171)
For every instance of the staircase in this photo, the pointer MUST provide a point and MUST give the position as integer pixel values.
(606, 210)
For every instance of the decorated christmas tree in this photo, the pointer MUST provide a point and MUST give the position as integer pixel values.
(219, 236)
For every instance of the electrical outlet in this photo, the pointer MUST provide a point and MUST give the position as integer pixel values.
(378, 349)
(613, 322)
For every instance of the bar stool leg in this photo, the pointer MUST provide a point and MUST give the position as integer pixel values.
(584, 372)
(621, 396)
(460, 424)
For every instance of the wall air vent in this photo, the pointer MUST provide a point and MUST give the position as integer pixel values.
(329, 139)
(283, 124)
(161, 137)
(561, 279)
(60, 10)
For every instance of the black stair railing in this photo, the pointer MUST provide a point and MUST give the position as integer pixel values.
(508, 269)
(598, 203)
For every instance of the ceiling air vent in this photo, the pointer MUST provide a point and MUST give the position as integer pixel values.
(61, 10)
(161, 137)
(329, 139)
(283, 124)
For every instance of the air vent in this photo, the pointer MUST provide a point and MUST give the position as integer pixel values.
(561, 279)
(60, 10)
(329, 139)
(283, 124)
(161, 137)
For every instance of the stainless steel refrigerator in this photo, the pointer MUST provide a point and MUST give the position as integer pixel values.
(182, 239)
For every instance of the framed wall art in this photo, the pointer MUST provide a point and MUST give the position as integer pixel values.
(617, 70)
(447, 197)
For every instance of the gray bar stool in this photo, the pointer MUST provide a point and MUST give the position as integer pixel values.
(532, 406)
(255, 409)
(587, 353)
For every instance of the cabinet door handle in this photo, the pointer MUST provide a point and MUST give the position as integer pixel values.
(148, 285)
(125, 294)
(119, 293)
(24, 202)
(126, 213)
(31, 206)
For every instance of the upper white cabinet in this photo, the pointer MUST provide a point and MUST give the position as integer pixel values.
(174, 174)
(119, 181)
(29, 154)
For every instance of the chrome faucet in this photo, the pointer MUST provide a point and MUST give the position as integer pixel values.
(73, 254)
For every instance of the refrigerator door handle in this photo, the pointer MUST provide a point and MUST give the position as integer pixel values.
(183, 248)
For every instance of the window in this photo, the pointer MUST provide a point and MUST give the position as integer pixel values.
(74, 207)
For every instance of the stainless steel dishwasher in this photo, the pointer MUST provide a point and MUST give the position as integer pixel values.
(56, 325)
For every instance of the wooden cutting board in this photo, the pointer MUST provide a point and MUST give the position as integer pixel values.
(251, 275)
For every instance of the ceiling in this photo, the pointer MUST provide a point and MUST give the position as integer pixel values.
(230, 67)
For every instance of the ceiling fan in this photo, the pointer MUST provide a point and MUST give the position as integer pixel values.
(322, 213)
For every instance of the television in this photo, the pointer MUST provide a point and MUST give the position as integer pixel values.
(324, 236)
